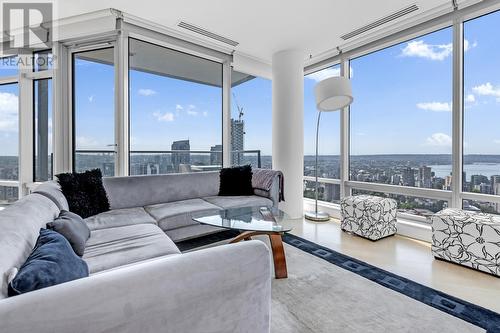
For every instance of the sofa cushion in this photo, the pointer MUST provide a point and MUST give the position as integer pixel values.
(140, 191)
(178, 214)
(84, 191)
(52, 262)
(52, 190)
(119, 218)
(239, 201)
(73, 228)
(20, 225)
(114, 247)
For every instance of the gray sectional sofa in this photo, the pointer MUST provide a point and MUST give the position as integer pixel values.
(139, 280)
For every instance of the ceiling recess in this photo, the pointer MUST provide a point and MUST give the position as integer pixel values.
(379, 22)
(206, 33)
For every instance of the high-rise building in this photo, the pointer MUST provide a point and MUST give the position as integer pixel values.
(395, 179)
(424, 177)
(478, 180)
(180, 157)
(494, 180)
(237, 140)
(216, 155)
(496, 191)
(408, 176)
(485, 188)
(448, 183)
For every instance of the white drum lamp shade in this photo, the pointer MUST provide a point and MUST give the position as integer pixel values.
(333, 94)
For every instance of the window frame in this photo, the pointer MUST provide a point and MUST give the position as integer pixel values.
(88, 48)
(167, 46)
(456, 196)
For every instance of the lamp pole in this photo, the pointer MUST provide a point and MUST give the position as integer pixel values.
(316, 166)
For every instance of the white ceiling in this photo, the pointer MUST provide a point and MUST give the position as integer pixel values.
(262, 27)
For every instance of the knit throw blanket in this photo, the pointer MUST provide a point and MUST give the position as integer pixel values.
(262, 179)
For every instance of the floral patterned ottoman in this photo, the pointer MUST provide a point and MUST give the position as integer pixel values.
(467, 238)
(369, 216)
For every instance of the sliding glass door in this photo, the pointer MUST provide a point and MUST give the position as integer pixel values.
(94, 111)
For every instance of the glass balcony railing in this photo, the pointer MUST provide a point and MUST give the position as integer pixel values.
(95, 159)
(152, 162)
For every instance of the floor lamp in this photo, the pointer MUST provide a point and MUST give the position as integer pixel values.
(332, 94)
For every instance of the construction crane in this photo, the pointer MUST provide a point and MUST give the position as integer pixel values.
(238, 107)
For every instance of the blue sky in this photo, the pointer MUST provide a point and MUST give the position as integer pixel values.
(402, 103)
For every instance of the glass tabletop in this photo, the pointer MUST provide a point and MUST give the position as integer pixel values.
(256, 218)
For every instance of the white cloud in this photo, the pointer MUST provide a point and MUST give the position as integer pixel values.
(421, 49)
(470, 98)
(191, 110)
(468, 45)
(91, 98)
(167, 116)
(435, 106)
(8, 112)
(439, 140)
(205, 113)
(324, 74)
(497, 141)
(86, 142)
(487, 89)
(327, 73)
(146, 92)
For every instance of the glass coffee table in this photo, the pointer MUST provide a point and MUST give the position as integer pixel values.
(253, 221)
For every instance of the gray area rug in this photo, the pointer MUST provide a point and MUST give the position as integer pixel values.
(320, 297)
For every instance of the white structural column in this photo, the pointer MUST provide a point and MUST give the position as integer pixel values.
(288, 126)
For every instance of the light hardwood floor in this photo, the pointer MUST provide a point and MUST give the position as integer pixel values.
(409, 258)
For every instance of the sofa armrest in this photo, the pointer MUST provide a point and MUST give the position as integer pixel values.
(220, 289)
(273, 193)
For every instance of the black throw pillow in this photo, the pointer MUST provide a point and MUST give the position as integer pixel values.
(51, 262)
(73, 228)
(236, 181)
(84, 192)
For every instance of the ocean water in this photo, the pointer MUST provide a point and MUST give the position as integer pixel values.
(486, 169)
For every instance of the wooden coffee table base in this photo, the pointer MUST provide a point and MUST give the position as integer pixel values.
(277, 248)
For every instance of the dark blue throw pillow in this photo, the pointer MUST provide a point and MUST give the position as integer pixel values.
(51, 262)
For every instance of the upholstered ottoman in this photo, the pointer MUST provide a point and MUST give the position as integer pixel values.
(369, 216)
(467, 238)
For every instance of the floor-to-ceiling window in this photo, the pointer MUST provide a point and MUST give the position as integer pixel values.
(329, 141)
(42, 117)
(9, 131)
(401, 118)
(175, 110)
(251, 120)
(481, 145)
(94, 110)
